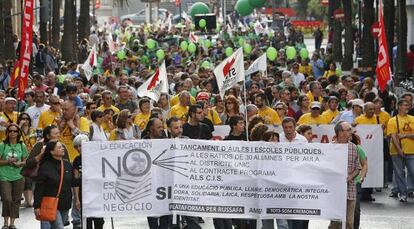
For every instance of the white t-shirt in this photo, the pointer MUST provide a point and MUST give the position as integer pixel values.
(298, 139)
(34, 113)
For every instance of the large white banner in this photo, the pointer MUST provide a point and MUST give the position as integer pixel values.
(214, 179)
(371, 141)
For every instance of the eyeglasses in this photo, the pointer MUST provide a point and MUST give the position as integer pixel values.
(25, 118)
(129, 116)
(13, 131)
(56, 103)
(315, 108)
(279, 108)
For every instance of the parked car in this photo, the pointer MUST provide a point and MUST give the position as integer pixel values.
(139, 17)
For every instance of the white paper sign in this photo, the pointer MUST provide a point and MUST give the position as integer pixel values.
(226, 179)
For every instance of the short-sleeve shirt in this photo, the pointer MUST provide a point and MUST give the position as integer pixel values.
(141, 120)
(47, 118)
(179, 112)
(112, 107)
(201, 131)
(7, 151)
(66, 137)
(307, 119)
(405, 126)
(330, 115)
(269, 115)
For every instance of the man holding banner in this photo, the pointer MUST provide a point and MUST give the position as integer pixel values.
(343, 133)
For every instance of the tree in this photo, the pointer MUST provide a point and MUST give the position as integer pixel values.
(2, 48)
(337, 36)
(8, 30)
(56, 24)
(389, 21)
(301, 8)
(316, 10)
(402, 39)
(84, 20)
(349, 36)
(68, 53)
(367, 45)
(44, 17)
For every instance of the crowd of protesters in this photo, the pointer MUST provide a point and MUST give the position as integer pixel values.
(62, 108)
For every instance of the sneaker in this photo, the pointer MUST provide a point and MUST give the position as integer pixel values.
(410, 194)
(402, 198)
(393, 194)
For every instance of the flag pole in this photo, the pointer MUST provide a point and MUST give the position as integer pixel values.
(245, 110)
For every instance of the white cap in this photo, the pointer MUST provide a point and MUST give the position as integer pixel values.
(315, 105)
(357, 102)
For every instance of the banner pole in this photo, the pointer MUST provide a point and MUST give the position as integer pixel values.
(245, 110)
(112, 222)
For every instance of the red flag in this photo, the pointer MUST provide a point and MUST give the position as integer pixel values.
(26, 46)
(383, 69)
(15, 74)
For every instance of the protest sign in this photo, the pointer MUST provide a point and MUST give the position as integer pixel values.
(371, 141)
(226, 179)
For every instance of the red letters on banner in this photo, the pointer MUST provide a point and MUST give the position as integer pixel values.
(26, 46)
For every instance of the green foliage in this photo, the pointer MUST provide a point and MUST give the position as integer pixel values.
(316, 10)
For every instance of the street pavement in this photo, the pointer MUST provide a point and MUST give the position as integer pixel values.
(384, 213)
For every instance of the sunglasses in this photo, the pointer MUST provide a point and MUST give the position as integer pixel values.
(56, 103)
(13, 131)
(129, 116)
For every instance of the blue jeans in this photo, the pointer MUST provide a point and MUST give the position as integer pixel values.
(61, 217)
(400, 163)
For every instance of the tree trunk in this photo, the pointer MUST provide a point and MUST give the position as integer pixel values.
(347, 62)
(84, 26)
(68, 53)
(402, 39)
(331, 8)
(44, 16)
(337, 36)
(8, 30)
(389, 21)
(2, 48)
(56, 24)
(367, 45)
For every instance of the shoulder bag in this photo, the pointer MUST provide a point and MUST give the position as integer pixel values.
(48, 205)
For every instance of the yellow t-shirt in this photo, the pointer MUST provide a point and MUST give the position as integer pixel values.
(13, 119)
(329, 73)
(384, 117)
(362, 119)
(141, 120)
(179, 112)
(312, 99)
(175, 100)
(47, 118)
(305, 69)
(330, 115)
(307, 119)
(214, 117)
(112, 107)
(107, 128)
(66, 137)
(406, 126)
(270, 116)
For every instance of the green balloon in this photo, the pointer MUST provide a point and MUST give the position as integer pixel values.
(160, 54)
(290, 53)
(207, 43)
(271, 53)
(229, 51)
(205, 64)
(257, 3)
(184, 45)
(241, 41)
(338, 71)
(243, 7)
(192, 48)
(247, 48)
(202, 23)
(121, 54)
(199, 8)
(304, 53)
(151, 43)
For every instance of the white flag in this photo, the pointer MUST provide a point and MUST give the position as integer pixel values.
(91, 62)
(155, 85)
(258, 28)
(260, 64)
(230, 71)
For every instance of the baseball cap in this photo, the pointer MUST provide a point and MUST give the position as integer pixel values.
(315, 105)
(358, 102)
(203, 96)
